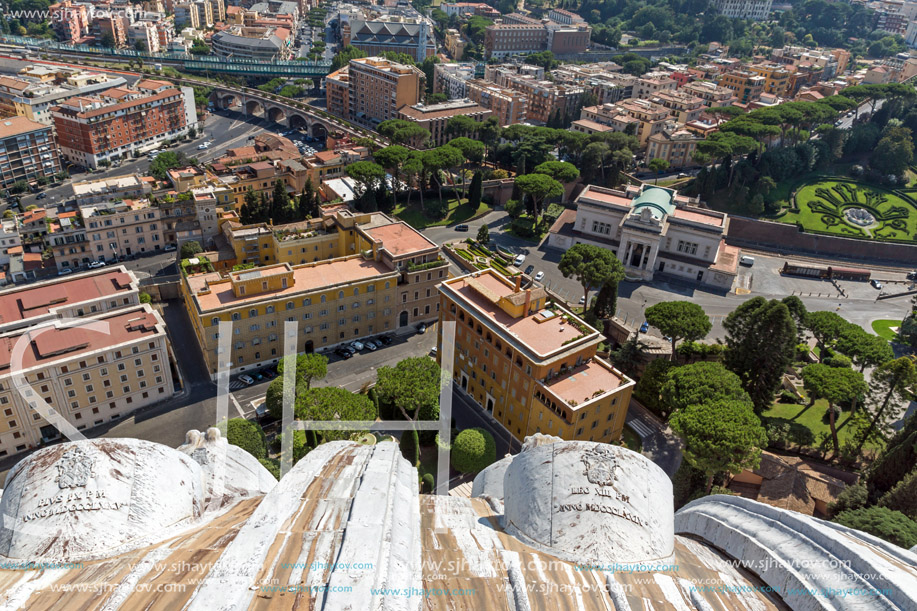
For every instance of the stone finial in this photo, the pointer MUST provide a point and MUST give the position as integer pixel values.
(538, 439)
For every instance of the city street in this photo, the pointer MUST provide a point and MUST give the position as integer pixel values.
(860, 306)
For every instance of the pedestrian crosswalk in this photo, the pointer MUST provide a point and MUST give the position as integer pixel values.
(237, 385)
(639, 428)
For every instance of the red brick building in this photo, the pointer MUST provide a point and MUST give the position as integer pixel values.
(120, 121)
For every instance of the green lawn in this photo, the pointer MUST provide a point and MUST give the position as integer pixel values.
(883, 328)
(810, 418)
(822, 203)
(459, 211)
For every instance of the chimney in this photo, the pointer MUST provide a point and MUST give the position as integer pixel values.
(518, 282)
(528, 300)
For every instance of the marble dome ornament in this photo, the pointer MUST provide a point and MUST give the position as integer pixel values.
(589, 501)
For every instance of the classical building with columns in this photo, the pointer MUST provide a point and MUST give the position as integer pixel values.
(652, 230)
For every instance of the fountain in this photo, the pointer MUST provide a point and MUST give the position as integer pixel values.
(859, 217)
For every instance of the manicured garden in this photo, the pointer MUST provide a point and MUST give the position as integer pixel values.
(884, 329)
(458, 211)
(812, 419)
(821, 206)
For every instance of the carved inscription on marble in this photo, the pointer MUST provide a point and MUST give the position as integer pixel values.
(75, 471)
(601, 497)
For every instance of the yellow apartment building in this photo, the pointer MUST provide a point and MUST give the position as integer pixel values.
(343, 277)
(776, 77)
(531, 363)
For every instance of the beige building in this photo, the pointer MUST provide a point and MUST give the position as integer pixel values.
(507, 105)
(342, 278)
(674, 144)
(454, 44)
(128, 186)
(712, 94)
(119, 229)
(435, 117)
(643, 118)
(88, 376)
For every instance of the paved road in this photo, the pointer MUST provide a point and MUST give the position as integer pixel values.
(660, 443)
(859, 306)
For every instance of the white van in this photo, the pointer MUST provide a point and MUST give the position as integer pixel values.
(746, 260)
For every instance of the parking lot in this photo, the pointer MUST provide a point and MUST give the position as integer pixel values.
(351, 374)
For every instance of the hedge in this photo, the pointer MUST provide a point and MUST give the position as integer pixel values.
(473, 450)
(247, 435)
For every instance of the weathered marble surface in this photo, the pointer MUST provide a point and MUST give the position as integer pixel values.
(585, 501)
(86, 499)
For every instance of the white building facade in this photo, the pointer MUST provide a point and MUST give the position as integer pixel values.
(651, 230)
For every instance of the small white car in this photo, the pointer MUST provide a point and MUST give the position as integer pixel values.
(247, 380)
(65, 271)
(357, 346)
(519, 260)
(96, 264)
(539, 276)
(170, 247)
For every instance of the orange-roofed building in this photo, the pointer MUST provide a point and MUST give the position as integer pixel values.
(342, 277)
(530, 364)
(89, 375)
(97, 130)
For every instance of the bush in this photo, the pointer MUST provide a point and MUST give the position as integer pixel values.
(428, 483)
(145, 298)
(272, 465)
(893, 526)
(787, 396)
(247, 435)
(851, 498)
(838, 360)
(524, 227)
(473, 450)
(189, 249)
(410, 447)
(686, 483)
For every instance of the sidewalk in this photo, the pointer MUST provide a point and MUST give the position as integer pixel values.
(660, 443)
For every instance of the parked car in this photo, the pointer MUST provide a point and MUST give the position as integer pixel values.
(876, 284)
(41, 195)
(644, 327)
(539, 276)
(269, 374)
(96, 264)
(519, 260)
(912, 275)
(258, 376)
(462, 227)
(247, 380)
(349, 350)
(370, 346)
(422, 327)
(170, 247)
(65, 271)
(357, 346)
(386, 339)
(344, 354)
(529, 270)
(433, 351)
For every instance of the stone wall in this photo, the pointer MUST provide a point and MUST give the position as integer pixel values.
(786, 238)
